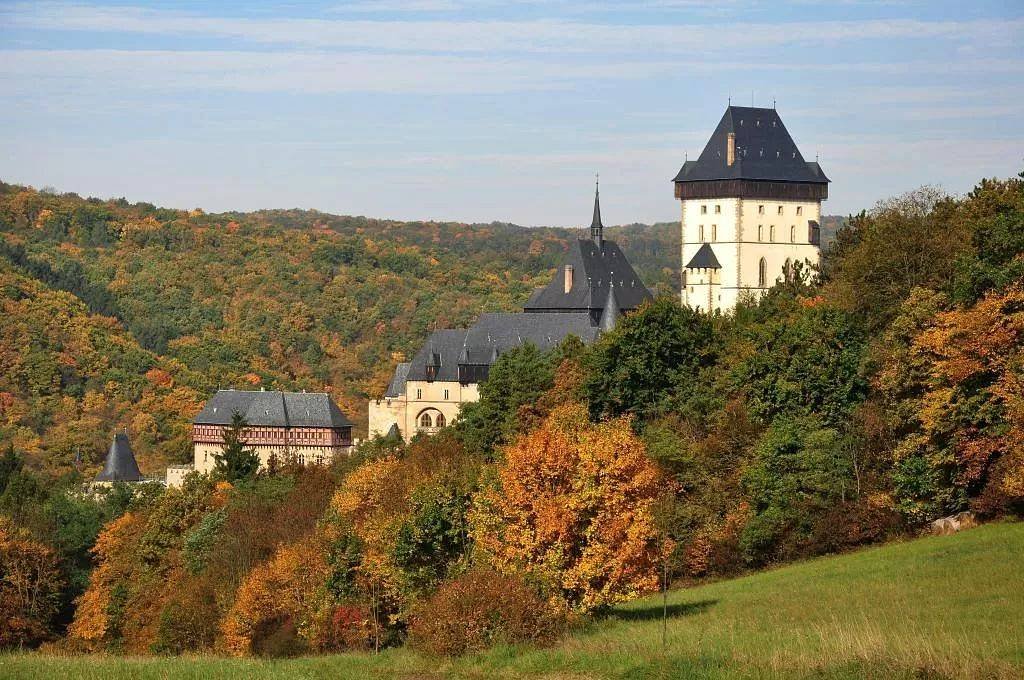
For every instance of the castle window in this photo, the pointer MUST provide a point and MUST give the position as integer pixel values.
(419, 394)
(760, 232)
(425, 420)
(718, 210)
(701, 233)
(440, 420)
(780, 209)
(703, 210)
(771, 233)
(446, 394)
(792, 234)
(760, 210)
(762, 273)
(714, 232)
(302, 459)
(799, 210)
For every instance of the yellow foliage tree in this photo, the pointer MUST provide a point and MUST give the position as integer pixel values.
(573, 506)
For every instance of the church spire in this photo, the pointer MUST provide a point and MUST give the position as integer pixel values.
(596, 228)
(610, 313)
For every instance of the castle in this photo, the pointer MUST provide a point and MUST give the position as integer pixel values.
(751, 207)
(750, 211)
(593, 287)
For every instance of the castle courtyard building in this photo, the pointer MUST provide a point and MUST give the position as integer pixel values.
(307, 427)
(750, 210)
(594, 286)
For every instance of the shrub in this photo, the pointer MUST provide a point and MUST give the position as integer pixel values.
(479, 609)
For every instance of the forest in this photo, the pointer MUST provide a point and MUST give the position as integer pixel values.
(853, 404)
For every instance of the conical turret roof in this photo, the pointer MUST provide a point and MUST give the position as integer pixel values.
(120, 465)
(610, 314)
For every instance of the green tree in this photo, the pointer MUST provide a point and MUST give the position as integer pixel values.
(800, 468)
(516, 380)
(236, 462)
(652, 359)
(807, 362)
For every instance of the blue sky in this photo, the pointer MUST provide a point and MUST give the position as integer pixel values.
(496, 110)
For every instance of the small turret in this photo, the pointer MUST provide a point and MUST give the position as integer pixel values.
(120, 465)
(610, 314)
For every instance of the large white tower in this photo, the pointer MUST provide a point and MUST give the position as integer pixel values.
(751, 207)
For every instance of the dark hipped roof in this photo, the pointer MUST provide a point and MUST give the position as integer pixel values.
(120, 465)
(396, 387)
(704, 258)
(764, 151)
(273, 409)
(594, 268)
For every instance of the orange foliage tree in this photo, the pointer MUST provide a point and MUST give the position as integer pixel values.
(30, 585)
(973, 409)
(572, 505)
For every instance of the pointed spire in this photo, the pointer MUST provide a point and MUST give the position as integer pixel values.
(596, 228)
(120, 465)
(610, 314)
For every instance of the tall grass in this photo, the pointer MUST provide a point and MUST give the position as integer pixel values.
(940, 607)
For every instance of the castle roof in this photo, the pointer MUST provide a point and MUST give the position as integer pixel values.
(120, 465)
(492, 335)
(397, 385)
(595, 266)
(765, 151)
(704, 258)
(273, 409)
(610, 314)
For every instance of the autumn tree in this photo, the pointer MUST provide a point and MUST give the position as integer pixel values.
(30, 587)
(571, 505)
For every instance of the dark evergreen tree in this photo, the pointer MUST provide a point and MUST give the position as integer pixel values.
(236, 462)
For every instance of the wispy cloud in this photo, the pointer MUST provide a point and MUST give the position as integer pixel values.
(546, 35)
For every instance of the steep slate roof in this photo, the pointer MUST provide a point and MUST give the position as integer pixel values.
(273, 409)
(494, 334)
(594, 267)
(396, 387)
(120, 465)
(446, 344)
(704, 258)
(764, 151)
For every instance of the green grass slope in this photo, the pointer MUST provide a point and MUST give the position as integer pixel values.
(937, 607)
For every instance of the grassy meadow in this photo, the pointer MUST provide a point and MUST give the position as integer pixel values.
(937, 607)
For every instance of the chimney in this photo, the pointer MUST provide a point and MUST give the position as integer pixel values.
(567, 279)
(730, 149)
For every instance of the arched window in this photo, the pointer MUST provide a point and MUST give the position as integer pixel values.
(771, 233)
(425, 420)
(440, 420)
(762, 273)
(792, 234)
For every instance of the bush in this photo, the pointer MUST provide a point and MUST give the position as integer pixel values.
(479, 609)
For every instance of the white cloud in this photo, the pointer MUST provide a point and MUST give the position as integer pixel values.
(547, 35)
